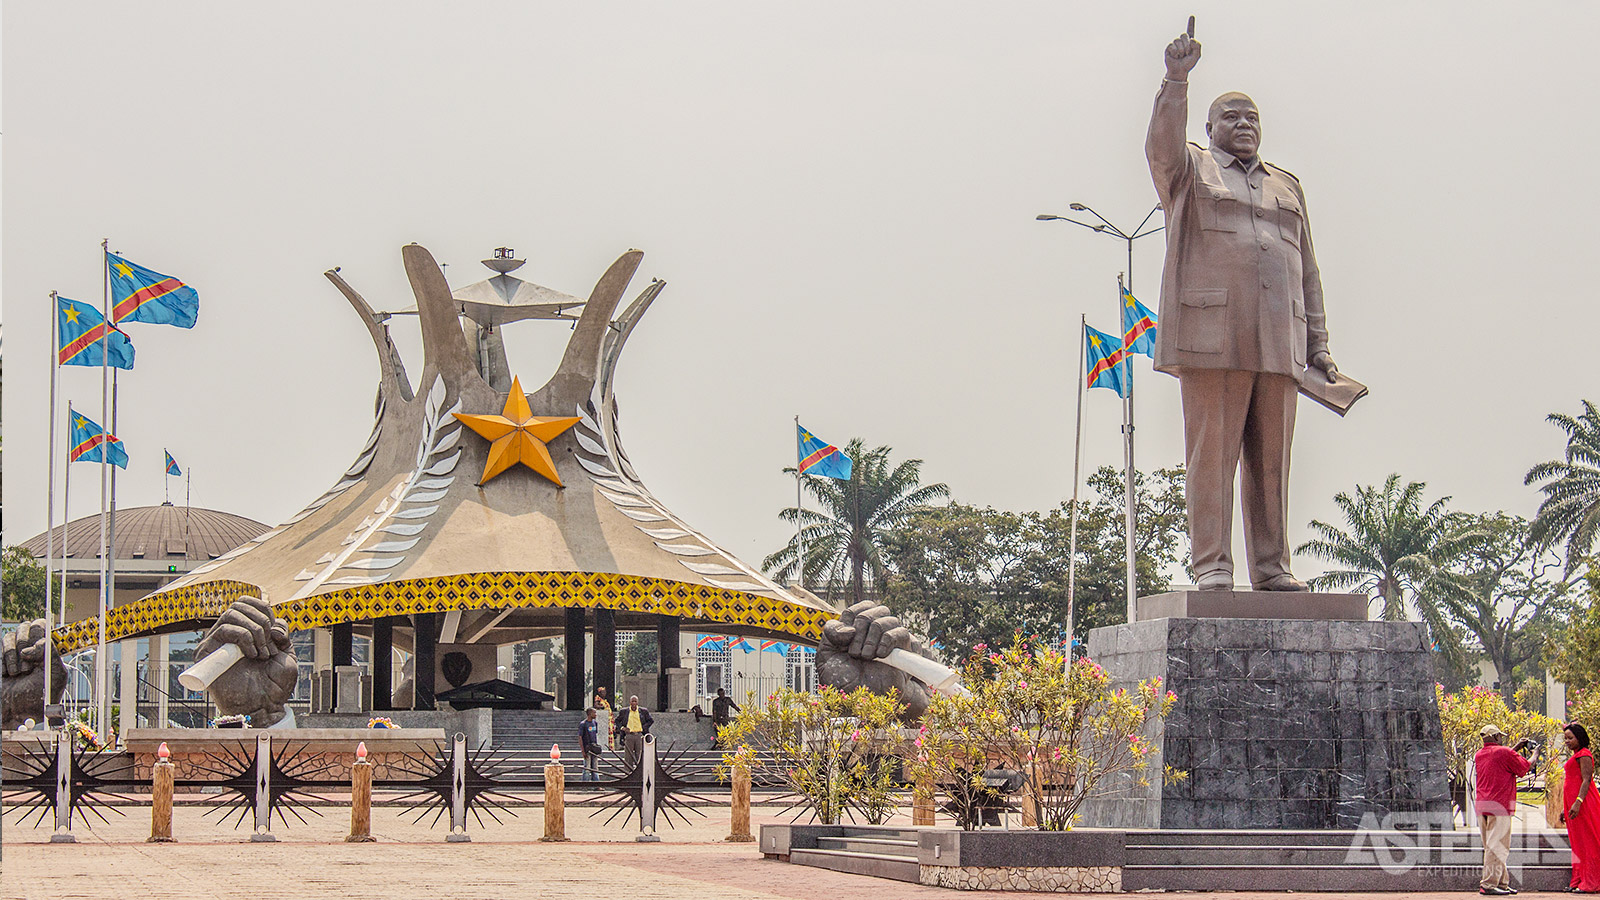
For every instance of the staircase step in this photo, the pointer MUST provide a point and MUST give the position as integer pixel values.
(1199, 876)
(1173, 855)
(882, 846)
(880, 865)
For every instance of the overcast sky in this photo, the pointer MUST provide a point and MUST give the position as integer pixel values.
(841, 198)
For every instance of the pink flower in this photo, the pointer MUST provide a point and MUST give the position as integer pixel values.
(1171, 696)
(1023, 685)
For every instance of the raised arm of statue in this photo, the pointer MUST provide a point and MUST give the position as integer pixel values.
(1164, 146)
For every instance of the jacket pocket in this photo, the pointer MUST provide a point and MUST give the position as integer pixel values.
(1202, 320)
(1290, 220)
(1218, 209)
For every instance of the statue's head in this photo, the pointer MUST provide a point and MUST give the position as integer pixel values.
(1234, 125)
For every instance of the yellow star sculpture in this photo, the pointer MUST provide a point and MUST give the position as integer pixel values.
(518, 436)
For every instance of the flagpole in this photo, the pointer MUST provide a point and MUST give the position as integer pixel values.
(102, 707)
(188, 485)
(50, 493)
(166, 479)
(1127, 488)
(799, 505)
(111, 542)
(66, 519)
(1077, 468)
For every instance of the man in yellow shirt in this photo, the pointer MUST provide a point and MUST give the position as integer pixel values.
(633, 724)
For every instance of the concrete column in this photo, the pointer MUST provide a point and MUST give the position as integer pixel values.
(605, 652)
(128, 692)
(671, 658)
(382, 663)
(159, 676)
(505, 657)
(574, 655)
(343, 638)
(427, 646)
(538, 679)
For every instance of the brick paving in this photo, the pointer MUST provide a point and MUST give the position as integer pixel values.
(412, 861)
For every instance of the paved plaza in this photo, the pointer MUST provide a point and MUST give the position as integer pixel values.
(506, 860)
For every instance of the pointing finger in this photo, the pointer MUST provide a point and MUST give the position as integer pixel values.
(1191, 27)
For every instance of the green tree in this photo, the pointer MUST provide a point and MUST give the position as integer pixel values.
(965, 575)
(1571, 507)
(1515, 600)
(1398, 552)
(640, 655)
(845, 535)
(1574, 654)
(24, 586)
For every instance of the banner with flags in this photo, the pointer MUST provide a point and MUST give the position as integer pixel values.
(82, 333)
(144, 295)
(1105, 355)
(820, 458)
(1138, 326)
(172, 464)
(88, 441)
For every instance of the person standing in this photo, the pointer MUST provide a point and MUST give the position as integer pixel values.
(633, 724)
(602, 706)
(1581, 803)
(589, 739)
(1241, 319)
(1498, 768)
(720, 715)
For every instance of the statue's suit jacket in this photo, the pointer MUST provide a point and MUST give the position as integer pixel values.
(1240, 289)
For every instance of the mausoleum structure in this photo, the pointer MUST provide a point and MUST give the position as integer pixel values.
(477, 515)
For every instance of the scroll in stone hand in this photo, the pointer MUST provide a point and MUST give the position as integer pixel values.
(1338, 393)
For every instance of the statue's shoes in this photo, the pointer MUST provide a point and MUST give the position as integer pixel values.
(1216, 581)
(1284, 582)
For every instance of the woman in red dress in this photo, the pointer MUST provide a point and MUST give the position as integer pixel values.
(1582, 811)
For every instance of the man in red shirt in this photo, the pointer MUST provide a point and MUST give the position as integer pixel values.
(1498, 769)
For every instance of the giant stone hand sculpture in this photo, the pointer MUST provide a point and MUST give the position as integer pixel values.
(258, 685)
(853, 648)
(22, 688)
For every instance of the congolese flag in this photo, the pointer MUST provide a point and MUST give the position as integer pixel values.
(172, 464)
(81, 329)
(777, 647)
(1138, 326)
(711, 641)
(142, 295)
(87, 440)
(819, 458)
(1104, 359)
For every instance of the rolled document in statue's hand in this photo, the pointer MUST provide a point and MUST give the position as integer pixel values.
(934, 674)
(199, 676)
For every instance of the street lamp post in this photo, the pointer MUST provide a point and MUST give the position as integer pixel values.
(1105, 227)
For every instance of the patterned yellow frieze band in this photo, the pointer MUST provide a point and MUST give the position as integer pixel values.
(482, 590)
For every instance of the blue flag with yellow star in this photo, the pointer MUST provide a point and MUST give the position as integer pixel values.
(172, 464)
(820, 458)
(1138, 326)
(89, 440)
(1104, 356)
(82, 332)
(144, 295)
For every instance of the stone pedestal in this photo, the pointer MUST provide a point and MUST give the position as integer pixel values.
(1280, 723)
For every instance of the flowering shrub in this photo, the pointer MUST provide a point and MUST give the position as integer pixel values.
(1029, 710)
(84, 735)
(838, 752)
(1465, 713)
(381, 722)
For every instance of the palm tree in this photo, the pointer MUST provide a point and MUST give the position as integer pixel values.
(845, 535)
(1571, 507)
(1395, 550)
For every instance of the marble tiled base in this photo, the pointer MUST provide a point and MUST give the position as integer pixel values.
(1069, 879)
(1280, 723)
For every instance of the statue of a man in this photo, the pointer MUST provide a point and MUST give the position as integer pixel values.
(1241, 318)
